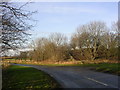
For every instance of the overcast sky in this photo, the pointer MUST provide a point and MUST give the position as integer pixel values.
(65, 17)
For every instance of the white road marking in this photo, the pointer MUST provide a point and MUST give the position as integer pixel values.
(97, 81)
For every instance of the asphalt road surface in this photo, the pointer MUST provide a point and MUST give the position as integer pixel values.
(79, 77)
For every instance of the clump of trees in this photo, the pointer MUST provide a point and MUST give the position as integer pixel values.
(90, 42)
(54, 47)
(95, 41)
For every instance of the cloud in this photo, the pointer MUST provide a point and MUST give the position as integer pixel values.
(68, 10)
(63, 0)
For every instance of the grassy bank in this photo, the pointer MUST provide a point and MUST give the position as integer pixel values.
(107, 68)
(26, 77)
(112, 68)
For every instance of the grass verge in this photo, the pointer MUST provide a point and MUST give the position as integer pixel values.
(112, 68)
(21, 77)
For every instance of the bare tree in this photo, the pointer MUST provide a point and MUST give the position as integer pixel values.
(58, 38)
(54, 48)
(88, 38)
(14, 25)
(60, 42)
(96, 29)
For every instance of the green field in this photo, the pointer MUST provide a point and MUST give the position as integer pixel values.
(21, 77)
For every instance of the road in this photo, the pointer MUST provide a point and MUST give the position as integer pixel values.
(79, 77)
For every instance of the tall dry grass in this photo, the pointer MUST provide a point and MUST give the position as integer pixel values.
(5, 62)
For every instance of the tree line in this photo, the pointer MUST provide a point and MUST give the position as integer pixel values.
(91, 41)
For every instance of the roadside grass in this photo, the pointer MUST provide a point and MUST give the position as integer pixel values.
(112, 68)
(9, 59)
(108, 68)
(21, 77)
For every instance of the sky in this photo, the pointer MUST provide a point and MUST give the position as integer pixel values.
(65, 17)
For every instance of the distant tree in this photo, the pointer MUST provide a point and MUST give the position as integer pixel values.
(58, 39)
(88, 38)
(23, 55)
(54, 48)
(97, 29)
(61, 46)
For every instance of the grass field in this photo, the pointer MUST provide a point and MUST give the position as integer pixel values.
(21, 77)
